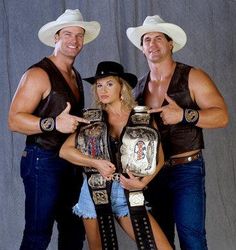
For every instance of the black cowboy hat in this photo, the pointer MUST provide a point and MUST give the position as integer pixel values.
(110, 68)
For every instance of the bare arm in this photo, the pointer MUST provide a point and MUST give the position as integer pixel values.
(73, 155)
(33, 87)
(213, 111)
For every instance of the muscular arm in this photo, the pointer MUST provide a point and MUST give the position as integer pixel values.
(213, 111)
(34, 86)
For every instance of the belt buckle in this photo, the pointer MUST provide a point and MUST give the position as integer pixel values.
(96, 181)
(116, 177)
(136, 198)
(100, 197)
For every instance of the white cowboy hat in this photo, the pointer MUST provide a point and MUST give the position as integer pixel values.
(68, 18)
(156, 24)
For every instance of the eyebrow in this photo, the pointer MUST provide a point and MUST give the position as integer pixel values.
(108, 81)
(159, 35)
(68, 31)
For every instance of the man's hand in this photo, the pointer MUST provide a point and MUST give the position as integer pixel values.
(171, 113)
(66, 123)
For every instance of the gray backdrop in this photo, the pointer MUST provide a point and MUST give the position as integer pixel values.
(211, 30)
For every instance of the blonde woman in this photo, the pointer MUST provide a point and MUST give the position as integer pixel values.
(112, 89)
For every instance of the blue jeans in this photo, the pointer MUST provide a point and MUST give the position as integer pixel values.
(177, 195)
(52, 187)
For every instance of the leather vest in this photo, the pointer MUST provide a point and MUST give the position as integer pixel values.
(177, 138)
(54, 104)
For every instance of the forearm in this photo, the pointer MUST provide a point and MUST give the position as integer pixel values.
(24, 123)
(74, 156)
(213, 118)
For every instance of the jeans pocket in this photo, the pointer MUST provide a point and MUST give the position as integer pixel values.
(26, 162)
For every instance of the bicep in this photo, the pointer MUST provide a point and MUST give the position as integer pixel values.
(30, 91)
(204, 91)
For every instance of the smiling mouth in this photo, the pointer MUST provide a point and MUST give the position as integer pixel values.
(72, 47)
(154, 51)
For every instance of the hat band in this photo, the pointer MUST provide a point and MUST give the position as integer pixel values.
(110, 72)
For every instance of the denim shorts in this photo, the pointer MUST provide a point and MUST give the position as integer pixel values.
(85, 207)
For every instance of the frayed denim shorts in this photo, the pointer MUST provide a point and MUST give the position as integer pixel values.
(85, 207)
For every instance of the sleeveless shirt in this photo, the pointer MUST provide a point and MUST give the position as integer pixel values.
(54, 104)
(177, 138)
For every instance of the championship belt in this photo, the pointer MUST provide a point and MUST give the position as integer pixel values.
(139, 144)
(139, 149)
(92, 140)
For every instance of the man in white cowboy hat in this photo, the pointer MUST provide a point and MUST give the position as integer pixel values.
(184, 100)
(46, 107)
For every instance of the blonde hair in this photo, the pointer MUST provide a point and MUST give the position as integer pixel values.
(126, 97)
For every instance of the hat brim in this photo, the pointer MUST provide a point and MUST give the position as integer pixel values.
(47, 32)
(129, 78)
(176, 33)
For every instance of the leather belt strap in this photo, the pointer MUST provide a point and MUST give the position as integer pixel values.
(89, 141)
(92, 140)
(140, 142)
(140, 221)
(101, 198)
(185, 159)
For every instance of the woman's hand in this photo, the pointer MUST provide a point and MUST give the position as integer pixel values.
(105, 168)
(132, 183)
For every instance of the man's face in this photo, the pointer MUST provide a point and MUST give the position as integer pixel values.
(156, 47)
(69, 41)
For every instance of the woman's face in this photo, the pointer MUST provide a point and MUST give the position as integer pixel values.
(108, 90)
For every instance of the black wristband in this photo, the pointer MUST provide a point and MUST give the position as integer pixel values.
(47, 124)
(190, 116)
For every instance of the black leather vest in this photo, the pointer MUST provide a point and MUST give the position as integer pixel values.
(176, 138)
(54, 104)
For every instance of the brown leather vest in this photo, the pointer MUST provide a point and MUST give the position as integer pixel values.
(54, 104)
(178, 138)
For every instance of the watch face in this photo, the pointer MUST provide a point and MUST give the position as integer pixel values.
(191, 115)
(47, 124)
